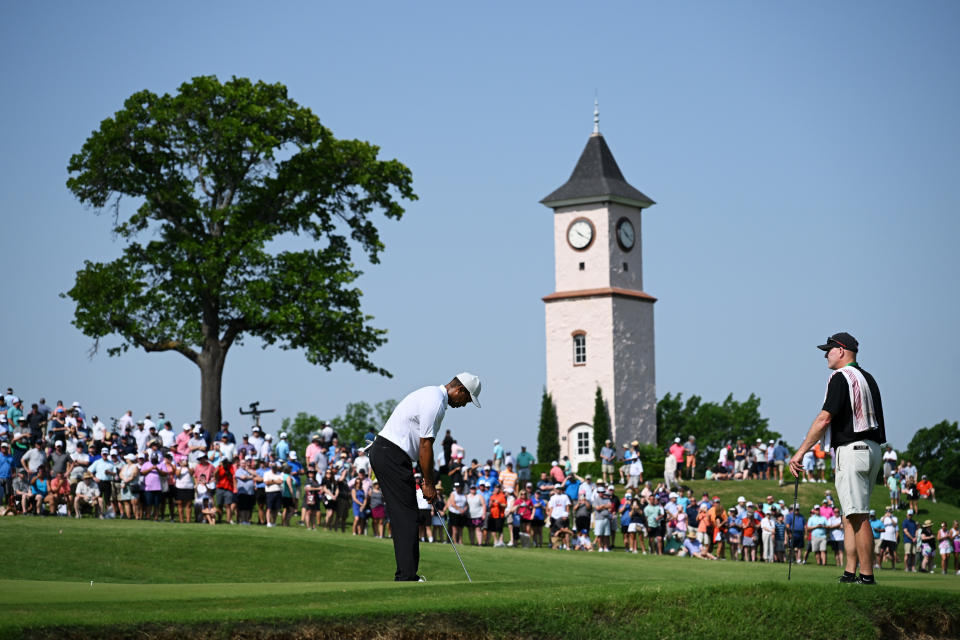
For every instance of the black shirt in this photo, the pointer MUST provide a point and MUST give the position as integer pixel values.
(837, 404)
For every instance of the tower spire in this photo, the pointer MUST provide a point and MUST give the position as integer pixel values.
(596, 116)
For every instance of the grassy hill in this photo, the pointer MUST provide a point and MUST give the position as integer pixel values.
(180, 581)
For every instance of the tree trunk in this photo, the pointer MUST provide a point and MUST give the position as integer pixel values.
(211, 362)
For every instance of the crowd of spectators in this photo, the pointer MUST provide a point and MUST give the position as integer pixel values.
(56, 460)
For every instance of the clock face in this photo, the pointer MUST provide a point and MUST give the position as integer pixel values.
(580, 234)
(625, 234)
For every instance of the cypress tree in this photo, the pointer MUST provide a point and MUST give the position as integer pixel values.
(601, 424)
(548, 439)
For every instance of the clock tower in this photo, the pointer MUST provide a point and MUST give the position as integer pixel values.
(599, 321)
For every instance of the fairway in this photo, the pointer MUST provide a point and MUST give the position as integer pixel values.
(177, 581)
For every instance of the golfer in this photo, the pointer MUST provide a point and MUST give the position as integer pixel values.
(851, 421)
(408, 437)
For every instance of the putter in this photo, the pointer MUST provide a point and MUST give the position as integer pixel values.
(796, 507)
(443, 524)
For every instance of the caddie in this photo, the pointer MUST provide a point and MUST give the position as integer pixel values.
(851, 422)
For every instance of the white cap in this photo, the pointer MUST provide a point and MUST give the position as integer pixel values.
(129, 457)
(75, 404)
(677, 439)
(496, 441)
(741, 499)
(673, 494)
(58, 443)
(268, 437)
(187, 426)
(554, 463)
(472, 384)
(283, 434)
(293, 455)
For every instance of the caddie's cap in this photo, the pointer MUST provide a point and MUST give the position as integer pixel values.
(842, 339)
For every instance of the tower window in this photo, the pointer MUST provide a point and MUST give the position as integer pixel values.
(579, 348)
(582, 266)
(626, 267)
(583, 443)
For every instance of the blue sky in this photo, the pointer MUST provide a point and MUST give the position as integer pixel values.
(804, 159)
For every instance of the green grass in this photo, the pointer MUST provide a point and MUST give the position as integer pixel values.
(165, 580)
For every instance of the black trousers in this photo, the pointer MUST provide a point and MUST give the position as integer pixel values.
(395, 473)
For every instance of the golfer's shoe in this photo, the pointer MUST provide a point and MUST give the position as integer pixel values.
(421, 579)
(862, 580)
(847, 578)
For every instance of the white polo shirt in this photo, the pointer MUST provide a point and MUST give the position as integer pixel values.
(417, 416)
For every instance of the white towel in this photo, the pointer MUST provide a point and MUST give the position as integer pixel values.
(861, 401)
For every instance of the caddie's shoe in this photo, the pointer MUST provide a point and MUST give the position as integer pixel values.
(421, 579)
(847, 578)
(862, 579)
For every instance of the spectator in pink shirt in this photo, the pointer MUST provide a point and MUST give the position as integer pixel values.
(826, 509)
(313, 448)
(677, 451)
(152, 487)
(182, 444)
(556, 472)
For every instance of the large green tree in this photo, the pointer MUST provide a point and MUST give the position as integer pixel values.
(936, 453)
(548, 435)
(713, 424)
(601, 424)
(359, 418)
(218, 173)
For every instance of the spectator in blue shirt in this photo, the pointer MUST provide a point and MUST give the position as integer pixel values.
(6, 467)
(780, 455)
(909, 542)
(795, 523)
(876, 526)
(571, 486)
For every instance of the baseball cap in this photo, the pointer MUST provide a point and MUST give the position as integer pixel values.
(472, 384)
(842, 339)
(873, 512)
(677, 439)
(496, 441)
(283, 434)
(741, 499)
(909, 512)
(58, 443)
(187, 426)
